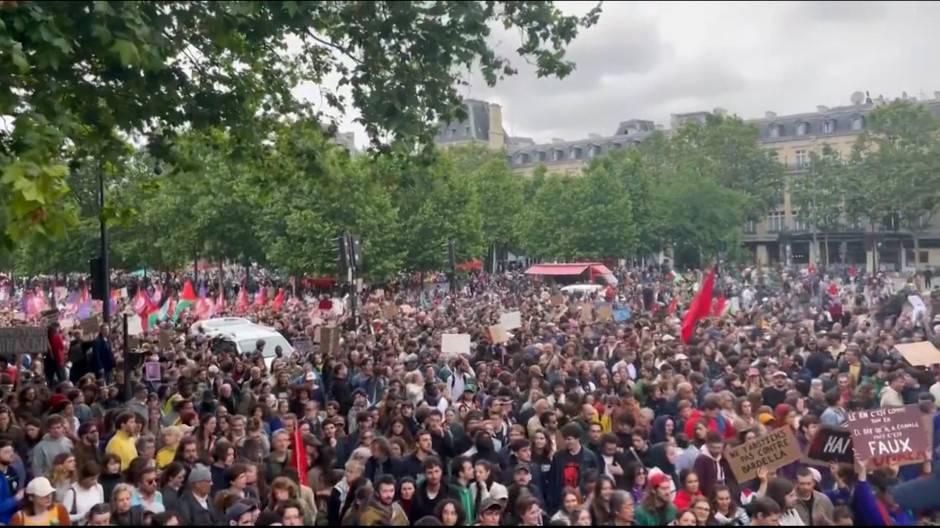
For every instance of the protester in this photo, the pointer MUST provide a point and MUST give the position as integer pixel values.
(613, 408)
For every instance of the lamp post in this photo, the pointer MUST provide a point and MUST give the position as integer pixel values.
(105, 265)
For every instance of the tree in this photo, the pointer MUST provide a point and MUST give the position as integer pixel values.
(819, 193)
(727, 149)
(84, 75)
(898, 158)
(500, 193)
(549, 220)
(628, 166)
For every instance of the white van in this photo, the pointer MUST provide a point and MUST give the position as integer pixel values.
(245, 337)
(582, 289)
(211, 326)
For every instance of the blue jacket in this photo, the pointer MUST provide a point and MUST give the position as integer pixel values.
(102, 358)
(8, 503)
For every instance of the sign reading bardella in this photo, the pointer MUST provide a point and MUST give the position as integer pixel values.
(887, 432)
(771, 451)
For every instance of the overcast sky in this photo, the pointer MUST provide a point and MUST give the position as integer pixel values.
(646, 60)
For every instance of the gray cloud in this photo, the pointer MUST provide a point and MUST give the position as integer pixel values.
(842, 12)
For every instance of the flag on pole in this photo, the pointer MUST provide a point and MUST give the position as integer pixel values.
(187, 299)
(700, 308)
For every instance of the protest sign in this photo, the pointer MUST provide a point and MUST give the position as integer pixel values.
(498, 334)
(510, 320)
(152, 370)
(303, 345)
(89, 327)
(771, 451)
(587, 313)
(887, 432)
(830, 445)
(605, 313)
(455, 343)
(23, 340)
(922, 354)
(329, 340)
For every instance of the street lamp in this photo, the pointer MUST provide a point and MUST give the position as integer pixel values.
(105, 265)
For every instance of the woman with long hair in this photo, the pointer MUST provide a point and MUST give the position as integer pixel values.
(206, 435)
(63, 475)
(569, 503)
(171, 484)
(725, 509)
(600, 501)
(783, 492)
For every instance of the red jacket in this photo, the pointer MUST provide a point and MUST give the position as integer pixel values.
(727, 434)
(58, 348)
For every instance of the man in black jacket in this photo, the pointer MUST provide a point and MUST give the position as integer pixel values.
(432, 491)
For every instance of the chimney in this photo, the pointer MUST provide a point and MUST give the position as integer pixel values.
(770, 115)
(556, 141)
(594, 136)
(822, 109)
(497, 136)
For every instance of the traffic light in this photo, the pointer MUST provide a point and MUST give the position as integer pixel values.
(355, 252)
(96, 271)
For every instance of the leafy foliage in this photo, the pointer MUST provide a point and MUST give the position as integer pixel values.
(81, 77)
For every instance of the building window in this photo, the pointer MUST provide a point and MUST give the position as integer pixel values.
(858, 123)
(575, 153)
(802, 160)
(451, 132)
(775, 131)
(557, 155)
(776, 222)
(541, 155)
(594, 151)
(750, 227)
(467, 131)
(614, 146)
(522, 158)
(828, 126)
(800, 223)
(801, 129)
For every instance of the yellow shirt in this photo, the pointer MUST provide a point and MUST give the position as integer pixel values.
(124, 446)
(166, 455)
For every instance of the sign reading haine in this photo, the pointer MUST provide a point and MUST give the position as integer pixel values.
(889, 431)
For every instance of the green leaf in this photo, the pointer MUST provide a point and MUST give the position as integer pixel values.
(126, 51)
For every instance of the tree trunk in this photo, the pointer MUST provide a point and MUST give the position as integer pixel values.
(815, 251)
(826, 244)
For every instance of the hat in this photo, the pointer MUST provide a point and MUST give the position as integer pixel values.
(235, 511)
(765, 418)
(779, 373)
(666, 338)
(200, 473)
(310, 376)
(469, 387)
(490, 503)
(657, 479)
(499, 492)
(39, 487)
(522, 467)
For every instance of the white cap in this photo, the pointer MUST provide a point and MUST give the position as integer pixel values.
(39, 487)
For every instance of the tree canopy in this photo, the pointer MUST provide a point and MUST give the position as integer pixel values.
(82, 78)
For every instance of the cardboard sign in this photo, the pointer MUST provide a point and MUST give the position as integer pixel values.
(406, 309)
(89, 327)
(558, 300)
(831, 445)
(329, 340)
(893, 431)
(498, 334)
(510, 321)
(23, 340)
(166, 338)
(390, 311)
(587, 313)
(134, 325)
(455, 343)
(303, 345)
(771, 451)
(605, 313)
(922, 354)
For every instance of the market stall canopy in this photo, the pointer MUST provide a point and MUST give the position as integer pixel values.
(573, 269)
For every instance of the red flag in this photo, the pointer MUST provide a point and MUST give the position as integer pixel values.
(299, 455)
(672, 306)
(701, 306)
(242, 299)
(720, 303)
(261, 298)
(278, 300)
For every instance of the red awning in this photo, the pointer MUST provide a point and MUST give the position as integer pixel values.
(557, 269)
(600, 269)
(473, 265)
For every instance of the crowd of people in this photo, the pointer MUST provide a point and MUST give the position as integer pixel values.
(577, 418)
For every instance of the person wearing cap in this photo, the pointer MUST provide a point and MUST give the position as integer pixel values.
(241, 514)
(195, 505)
(490, 512)
(775, 394)
(40, 508)
(657, 508)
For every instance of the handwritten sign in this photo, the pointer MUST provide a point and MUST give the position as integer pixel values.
(831, 445)
(498, 334)
(510, 320)
(329, 340)
(455, 343)
(23, 340)
(887, 432)
(771, 451)
(90, 327)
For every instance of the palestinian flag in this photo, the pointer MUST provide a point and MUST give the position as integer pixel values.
(187, 300)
